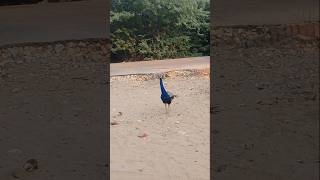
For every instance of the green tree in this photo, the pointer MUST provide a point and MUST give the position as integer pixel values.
(158, 29)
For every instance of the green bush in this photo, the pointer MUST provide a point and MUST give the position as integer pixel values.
(158, 29)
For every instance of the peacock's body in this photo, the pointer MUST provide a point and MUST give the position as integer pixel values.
(166, 96)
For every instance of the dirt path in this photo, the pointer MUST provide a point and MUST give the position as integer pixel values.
(176, 145)
(53, 22)
(251, 12)
(159, 66)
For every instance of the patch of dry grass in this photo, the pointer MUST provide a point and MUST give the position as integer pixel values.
(169, 74)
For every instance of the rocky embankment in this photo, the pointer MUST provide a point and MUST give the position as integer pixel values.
(68, 52)
(247, 36)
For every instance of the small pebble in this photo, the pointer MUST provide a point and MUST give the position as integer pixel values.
(182, 132)
(15, 151)
(15, 90)
(142, 135)
(300, 161)
(114, 123)
(31, 165)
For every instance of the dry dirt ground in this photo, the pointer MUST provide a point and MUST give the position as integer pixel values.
(147, 143)
(58, 21)
(264, 119)
(55, 112)
(265, 112)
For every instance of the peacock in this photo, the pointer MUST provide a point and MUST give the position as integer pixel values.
(166, 96)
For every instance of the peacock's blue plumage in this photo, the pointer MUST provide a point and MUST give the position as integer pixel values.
(166, 96)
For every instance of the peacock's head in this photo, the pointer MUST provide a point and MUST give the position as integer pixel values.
(160, 75)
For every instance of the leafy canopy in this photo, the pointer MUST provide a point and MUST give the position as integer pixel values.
(158, 29)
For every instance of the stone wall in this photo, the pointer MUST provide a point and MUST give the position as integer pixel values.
(68, 51)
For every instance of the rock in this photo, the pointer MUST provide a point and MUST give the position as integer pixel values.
(58, 48)
(221, 168)
(56, 66)
(71, 44)
(15, 151)
(214, 109)
(3, 63)
(15, 90)
(13, 51)
(82, 44)
(19, 62)
(300, 161)
(104, 49)
(215, 131)
(142, 135)
(260, 102)
(17, 174)
(30, 165)
(114, 123)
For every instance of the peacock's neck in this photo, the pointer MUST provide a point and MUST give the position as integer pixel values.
(163, 90)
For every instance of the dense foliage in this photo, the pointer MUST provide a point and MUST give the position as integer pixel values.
(158, 29)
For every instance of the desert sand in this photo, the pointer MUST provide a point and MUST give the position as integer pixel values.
(147, 143)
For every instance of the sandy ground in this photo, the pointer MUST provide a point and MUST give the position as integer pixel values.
(176, 145)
